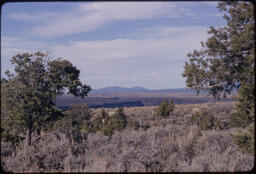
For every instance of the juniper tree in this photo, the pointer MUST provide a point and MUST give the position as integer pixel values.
(226, 60)
(165, 108)
(117, 121)
(28, 96)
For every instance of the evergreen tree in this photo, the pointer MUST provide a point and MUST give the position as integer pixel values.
(28, 96)
(103, 113)
(117, 121)
(165, 108)
(226, 61)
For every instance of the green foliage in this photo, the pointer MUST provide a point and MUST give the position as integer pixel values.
(133, 124)
(28, 96)
(117, 121)
(236, 120)
(204, 120)
(75, 118)
(165, 108)
(97, 124)
(103, 113)
(226, 60)
(78, 112)
(245, 141)
(244, 114)
(7, 136)
(85, 127)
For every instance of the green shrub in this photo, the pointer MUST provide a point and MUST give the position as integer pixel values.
(85, 127)
(74, 118)
(78, 112)
(133, 124)
(238, 120)
(245, 108)
(9, 137)
(165, 108)
(103, 113)
(204, 120)
(97, 124)
(245, 141)
(118, 121)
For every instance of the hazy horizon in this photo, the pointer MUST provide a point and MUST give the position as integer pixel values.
(115, 86)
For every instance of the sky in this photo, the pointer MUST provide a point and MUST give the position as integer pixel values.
(123, 44)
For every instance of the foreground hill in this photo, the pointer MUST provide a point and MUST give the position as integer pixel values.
(158, 145)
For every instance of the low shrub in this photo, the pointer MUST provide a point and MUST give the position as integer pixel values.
(7, 136)
(165, 108)
(245, 141)
(117, 121)
(75, 119)
(133, 124)
(238, 120)
(78, 112)
(204, 120)
(86, 127)
(97, 124)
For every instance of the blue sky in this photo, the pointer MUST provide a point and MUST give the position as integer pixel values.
(113, 43)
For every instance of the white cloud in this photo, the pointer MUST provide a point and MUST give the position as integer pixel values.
(40, 18)
(90, 16)
(131, 10)
(159, 52)
(210, 3)
(11, 46)
(154, 41)
(171, 32)
(135, 61)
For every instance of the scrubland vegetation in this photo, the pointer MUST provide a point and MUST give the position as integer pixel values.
(147, 143)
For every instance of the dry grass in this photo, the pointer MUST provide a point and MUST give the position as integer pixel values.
(169, 144)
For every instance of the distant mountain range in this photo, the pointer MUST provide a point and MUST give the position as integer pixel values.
(119, 90)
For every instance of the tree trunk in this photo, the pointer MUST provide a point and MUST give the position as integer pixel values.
(70, 133)
(28, 137)
(37, 132)
(27, 140)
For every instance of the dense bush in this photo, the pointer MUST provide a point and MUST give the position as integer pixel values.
(75, 119)
(8, 136)
(204, 120)
(245, 141)
(107, 124)
(86, 127)
(98, 122)
(133, 124)
(239, 120)
(165, 108)
(78, 112)
(117, 121)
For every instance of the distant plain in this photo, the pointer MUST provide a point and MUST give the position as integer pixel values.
(129, 98)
